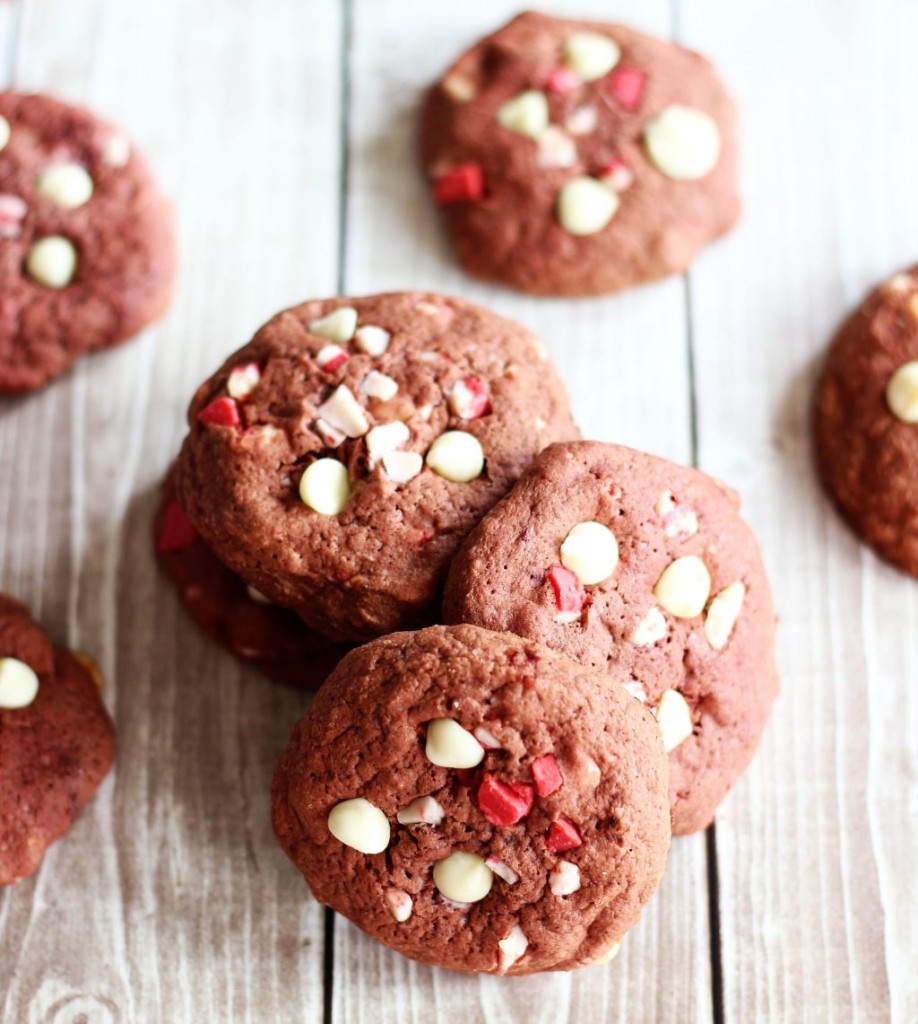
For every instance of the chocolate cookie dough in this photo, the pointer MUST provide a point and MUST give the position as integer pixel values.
(632, 564)
(501, 810)
(86, 245)
(865, 421)
(576, 157)
(337, 461)
(57, 742)
(236, 616)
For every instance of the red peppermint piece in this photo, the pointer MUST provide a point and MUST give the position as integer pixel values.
(504, 803)
(12, 213)
(547, 775)
(470, 398)
(563, 835)
(569, 594)
(618, 175)
(627, 86)
(177, 531)
(561, 80)
(243, 380)
(464, 183)
(222, 411)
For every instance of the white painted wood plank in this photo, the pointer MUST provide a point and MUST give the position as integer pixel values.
(624, 360)
(816, 849)
(170, 900)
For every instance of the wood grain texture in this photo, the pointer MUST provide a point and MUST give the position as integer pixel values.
(817, 903)
(170, 900)
(609, 351)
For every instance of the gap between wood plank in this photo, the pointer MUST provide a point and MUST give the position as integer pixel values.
(328, 966)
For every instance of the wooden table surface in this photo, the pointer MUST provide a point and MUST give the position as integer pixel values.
(283, 129)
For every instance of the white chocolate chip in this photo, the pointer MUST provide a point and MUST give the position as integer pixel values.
(683, 143)
(5, 132)
(463, 877)
(911, 306)
(610, 954)
(329, 434)
(636, 690)
(422, 811)
(902, 392)
(339, 325)
(450, 746)
(590, 551)
(257, 596)
(556, 148)
(331, 357)
(722, 614)
(512, 947)
(486, 738)
(526, 114)
(458, 87)
(344, 412)
(67, 185)
(372, 340)
(401, 467)
(379, 385)
(684, 587)
(564, 878)
(586, 206)
(52, 261)
(502, 870)
(590, 55)
(456, 456)
(242, 381)
(325, 487)
(18, 684)
(386, 438)
(582, 120)
(650, 629)
(359, 824)
(674, 717)
(117, 150)
(400, 903)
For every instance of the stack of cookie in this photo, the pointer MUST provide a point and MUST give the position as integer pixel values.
(498, 793)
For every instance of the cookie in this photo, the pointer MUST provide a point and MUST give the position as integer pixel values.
(630, 563)
(865, 422)
(502, 810)
(238, 617)
(338, 460)
(57, 742)
(576, 158)
(86, 244)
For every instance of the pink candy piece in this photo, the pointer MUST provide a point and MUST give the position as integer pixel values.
(331, 358)
(627, 86)
(12, 213)
(470, 398)
(569, 593)
(546, 775)
(561, 80)
(617, 174)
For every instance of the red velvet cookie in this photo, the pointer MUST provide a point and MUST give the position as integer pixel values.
(575, 157)
(630, 563)
(338, 460)
(865, 422)
(57, 742)
(238, 617)
(476, 801)
(86, 244)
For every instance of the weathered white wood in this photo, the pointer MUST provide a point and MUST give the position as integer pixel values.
(611, 352)
(817, 847)
(170, 900)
